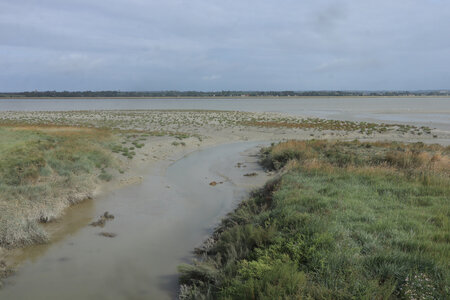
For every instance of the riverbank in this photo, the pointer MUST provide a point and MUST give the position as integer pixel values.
(43, 170)
(157, 223)
(343, 220)
(130, 142)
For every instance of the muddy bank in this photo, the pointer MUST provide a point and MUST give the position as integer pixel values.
(181, 133)
(157, 224)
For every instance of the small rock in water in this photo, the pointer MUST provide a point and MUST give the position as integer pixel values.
(213, 183)
(251, 174)
(108, 234)
(239, 165)
(102, 220)
(107, 215)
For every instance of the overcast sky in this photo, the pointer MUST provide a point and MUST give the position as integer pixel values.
(224, 45)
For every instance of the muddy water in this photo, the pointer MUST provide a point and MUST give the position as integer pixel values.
(157, 223)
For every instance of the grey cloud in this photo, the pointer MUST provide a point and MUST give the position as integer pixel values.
(205, 45)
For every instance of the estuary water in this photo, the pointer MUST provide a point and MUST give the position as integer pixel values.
(423, 111)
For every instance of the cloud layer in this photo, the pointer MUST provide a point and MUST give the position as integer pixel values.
(224, 45)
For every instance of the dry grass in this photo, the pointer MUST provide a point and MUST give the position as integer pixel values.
(44, 169)
(415, 158)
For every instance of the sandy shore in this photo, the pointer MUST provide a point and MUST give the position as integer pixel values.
(177, 133)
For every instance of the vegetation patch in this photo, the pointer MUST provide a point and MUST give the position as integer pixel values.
(345, 220)
(348, 126)
(44, 169)
(137, 124)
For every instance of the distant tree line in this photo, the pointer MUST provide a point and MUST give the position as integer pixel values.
(119, 94)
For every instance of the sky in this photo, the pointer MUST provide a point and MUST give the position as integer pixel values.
(153, 45)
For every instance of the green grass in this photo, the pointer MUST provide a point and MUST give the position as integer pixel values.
(44, 169)
(346, 220)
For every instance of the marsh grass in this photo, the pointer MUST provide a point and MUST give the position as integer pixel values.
(43, 169)
(173, 122)
(346, 220)
(339, 125)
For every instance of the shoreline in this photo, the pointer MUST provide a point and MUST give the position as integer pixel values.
(163, 154)
(158, 169)
(160, 151)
